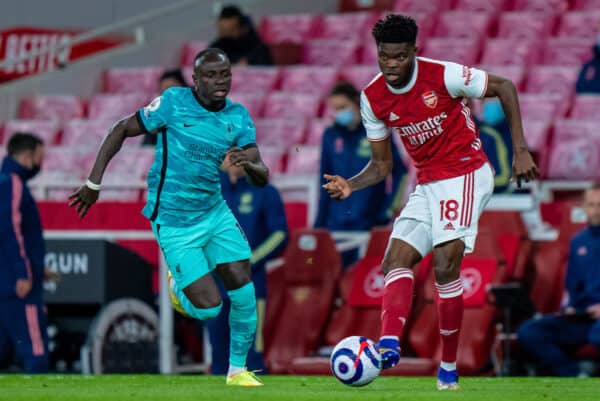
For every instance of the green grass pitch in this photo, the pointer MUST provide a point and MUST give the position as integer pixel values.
(294, 388)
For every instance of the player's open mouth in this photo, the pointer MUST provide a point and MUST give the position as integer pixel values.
(390, 77)
(220, 93)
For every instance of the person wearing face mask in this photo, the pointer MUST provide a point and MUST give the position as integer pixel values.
(22, 316)
(495, 138)
(589, 76)
(238, 38)
(345, 151)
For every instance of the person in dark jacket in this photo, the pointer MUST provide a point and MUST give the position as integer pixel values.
(238, 38)
(345, 151)
(261, 215)
(22, 251)
(496, 141)
(589, 76)
(547, 338)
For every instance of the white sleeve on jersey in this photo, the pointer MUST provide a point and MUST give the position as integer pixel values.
(376, 129)
(463, 81)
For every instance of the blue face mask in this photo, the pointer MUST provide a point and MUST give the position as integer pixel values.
(492, 113)
(344, 117)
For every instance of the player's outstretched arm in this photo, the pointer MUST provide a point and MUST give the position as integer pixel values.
(250, 160)
(523, 165)
(87, 195)
(379, 167)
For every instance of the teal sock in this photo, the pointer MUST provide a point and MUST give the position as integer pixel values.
(193, 311)
(242, 323)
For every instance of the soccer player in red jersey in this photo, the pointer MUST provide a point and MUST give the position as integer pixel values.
(423, 101)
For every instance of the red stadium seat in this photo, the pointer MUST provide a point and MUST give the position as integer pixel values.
(511, 52)
(359, 75)
(574, 129)
(189, 51)
(512, 238)
(552, 79)
(272, 156)
(464, 51)
(304, 160)
(546, 6)
(131, 80)
(46, 130)
(316, 80)
(115, 106)
(311, 269)
(490, 6)
(289, 104)
(253, 101)
(586, 4)
(575, 151)
(430, 7)
(581, 24)
(254, 79)
(293, 28)
(537, 134)
(283, 132)
(131, 163)
(276, 291)
(566, 52)
(515, 73)
(85, 132)
(361, 5)
(346, 26)
(316, 128)
(586, 107)
(63, 164)
(330, 52)
(549, 269)
(296, 213)
(543, 106)
(526, 25)
(463, 24)
(51, 107)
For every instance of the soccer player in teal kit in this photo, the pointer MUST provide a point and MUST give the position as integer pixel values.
(197, 232)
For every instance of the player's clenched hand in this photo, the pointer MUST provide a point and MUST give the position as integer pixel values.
(23, 287)
(238, 157)
(524, 167)
(337, 186)
(83, 198)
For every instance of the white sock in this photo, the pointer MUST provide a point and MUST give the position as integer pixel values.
(448, 366)
(233, 370)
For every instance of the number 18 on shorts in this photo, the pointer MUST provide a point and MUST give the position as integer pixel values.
(444, 210)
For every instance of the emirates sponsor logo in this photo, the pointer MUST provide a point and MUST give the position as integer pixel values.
(430, 99)
(420, 132)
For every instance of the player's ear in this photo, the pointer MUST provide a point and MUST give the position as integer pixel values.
(416, 48)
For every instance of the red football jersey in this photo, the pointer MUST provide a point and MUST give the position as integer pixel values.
(430, 116)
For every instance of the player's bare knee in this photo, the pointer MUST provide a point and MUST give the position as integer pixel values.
(205, 300)
(235, 275)
(399, 255)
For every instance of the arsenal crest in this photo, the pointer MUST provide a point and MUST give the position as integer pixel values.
(430, 99)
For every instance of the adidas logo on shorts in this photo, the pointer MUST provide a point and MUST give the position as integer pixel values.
(449, 226)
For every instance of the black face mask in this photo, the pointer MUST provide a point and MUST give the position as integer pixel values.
(32, 172)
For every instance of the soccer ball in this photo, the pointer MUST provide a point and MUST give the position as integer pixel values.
(355, 361)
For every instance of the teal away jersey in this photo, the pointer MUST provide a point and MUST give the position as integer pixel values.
(183, 182)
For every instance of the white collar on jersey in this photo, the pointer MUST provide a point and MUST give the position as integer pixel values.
(411, 83)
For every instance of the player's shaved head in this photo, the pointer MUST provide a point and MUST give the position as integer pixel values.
(212, 78)
(210, 55)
